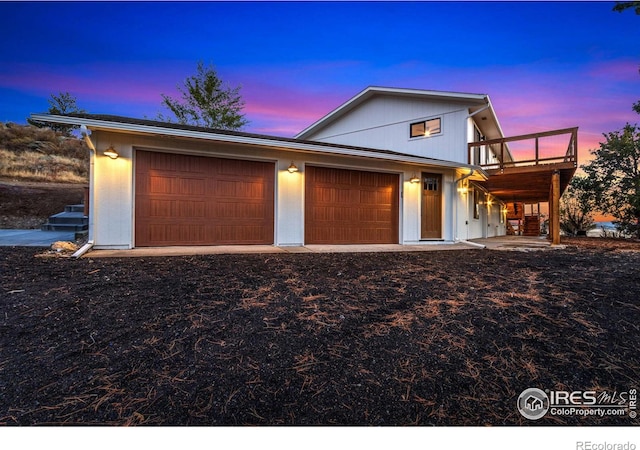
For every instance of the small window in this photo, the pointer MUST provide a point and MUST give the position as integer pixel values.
(431, 184)
(425, 128)
(476, 203)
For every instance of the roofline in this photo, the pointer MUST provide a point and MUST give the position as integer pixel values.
(156, 129)
(495, 117)
(371, 90)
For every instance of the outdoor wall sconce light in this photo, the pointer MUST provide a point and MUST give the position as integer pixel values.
(463, 189)
(111, 152)
(292, 168)
(414, 179)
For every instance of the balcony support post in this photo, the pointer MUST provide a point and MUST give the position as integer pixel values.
(554, 210)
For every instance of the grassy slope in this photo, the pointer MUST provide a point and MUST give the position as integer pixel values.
(29, 153)
(40, 172)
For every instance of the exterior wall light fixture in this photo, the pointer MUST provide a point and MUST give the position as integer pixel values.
(414, 179)
(111, 152)
(292, 168)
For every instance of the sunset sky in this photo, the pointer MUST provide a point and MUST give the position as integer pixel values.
(545, 65)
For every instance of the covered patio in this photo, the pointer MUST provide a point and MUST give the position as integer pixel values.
(547, 162)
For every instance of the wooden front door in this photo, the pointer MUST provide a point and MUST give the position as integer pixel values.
(431, 227)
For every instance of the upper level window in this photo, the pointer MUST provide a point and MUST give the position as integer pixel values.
(425, 128)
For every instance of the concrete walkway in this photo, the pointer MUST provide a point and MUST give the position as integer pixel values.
(37, 238)
(246, 249)
(517, 243)
(33, 238)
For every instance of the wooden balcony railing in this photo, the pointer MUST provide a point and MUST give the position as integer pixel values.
(497, 154)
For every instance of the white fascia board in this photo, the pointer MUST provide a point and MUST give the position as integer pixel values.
(309, 147)
(371, 90)
(495, 117)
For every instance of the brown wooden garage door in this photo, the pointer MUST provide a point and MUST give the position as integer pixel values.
(194, 200)
(350, 207)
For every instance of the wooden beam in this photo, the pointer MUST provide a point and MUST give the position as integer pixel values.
(555, 208)
(509, 169)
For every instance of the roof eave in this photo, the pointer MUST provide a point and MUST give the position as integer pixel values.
(96, 124)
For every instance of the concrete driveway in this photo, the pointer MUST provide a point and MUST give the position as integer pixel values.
(33, 238)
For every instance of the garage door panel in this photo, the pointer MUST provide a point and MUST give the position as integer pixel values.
(240, 212)
(192, 200)
(350, 207)
(171, 163)
(344, 177)
(191, 186)
(368, 215)
(369, 179)
(250, 190)
(171, 208)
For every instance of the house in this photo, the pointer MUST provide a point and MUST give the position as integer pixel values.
(533, 403)
(399, 166)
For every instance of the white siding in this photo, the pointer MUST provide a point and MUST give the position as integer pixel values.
(114, 194)
(112, 197)
(383, 122)
(289, 204)
(487, 225)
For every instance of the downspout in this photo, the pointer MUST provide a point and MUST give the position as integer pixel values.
(455, 192)
(92, 154)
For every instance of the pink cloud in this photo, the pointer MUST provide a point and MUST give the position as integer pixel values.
(279, 106)
(284, 99)
(108, 83)
(618, 71)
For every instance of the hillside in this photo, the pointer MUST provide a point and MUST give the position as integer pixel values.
(41, 171)
(28, 153)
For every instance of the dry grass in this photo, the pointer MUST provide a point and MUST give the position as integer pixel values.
(40, 154)
(35, 166)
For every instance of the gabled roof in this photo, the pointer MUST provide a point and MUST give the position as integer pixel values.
(477, 102)
(155, 128)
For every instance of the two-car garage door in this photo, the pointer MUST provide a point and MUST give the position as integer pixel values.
(194, 200)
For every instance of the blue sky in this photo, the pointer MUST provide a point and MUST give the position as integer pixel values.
(545, 65)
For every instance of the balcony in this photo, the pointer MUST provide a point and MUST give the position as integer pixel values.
(526, 179)
(543, 169)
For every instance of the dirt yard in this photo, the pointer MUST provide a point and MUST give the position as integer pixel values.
(27, 205)
(434, 338)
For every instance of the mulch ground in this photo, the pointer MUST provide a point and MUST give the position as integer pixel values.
(434, 338)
